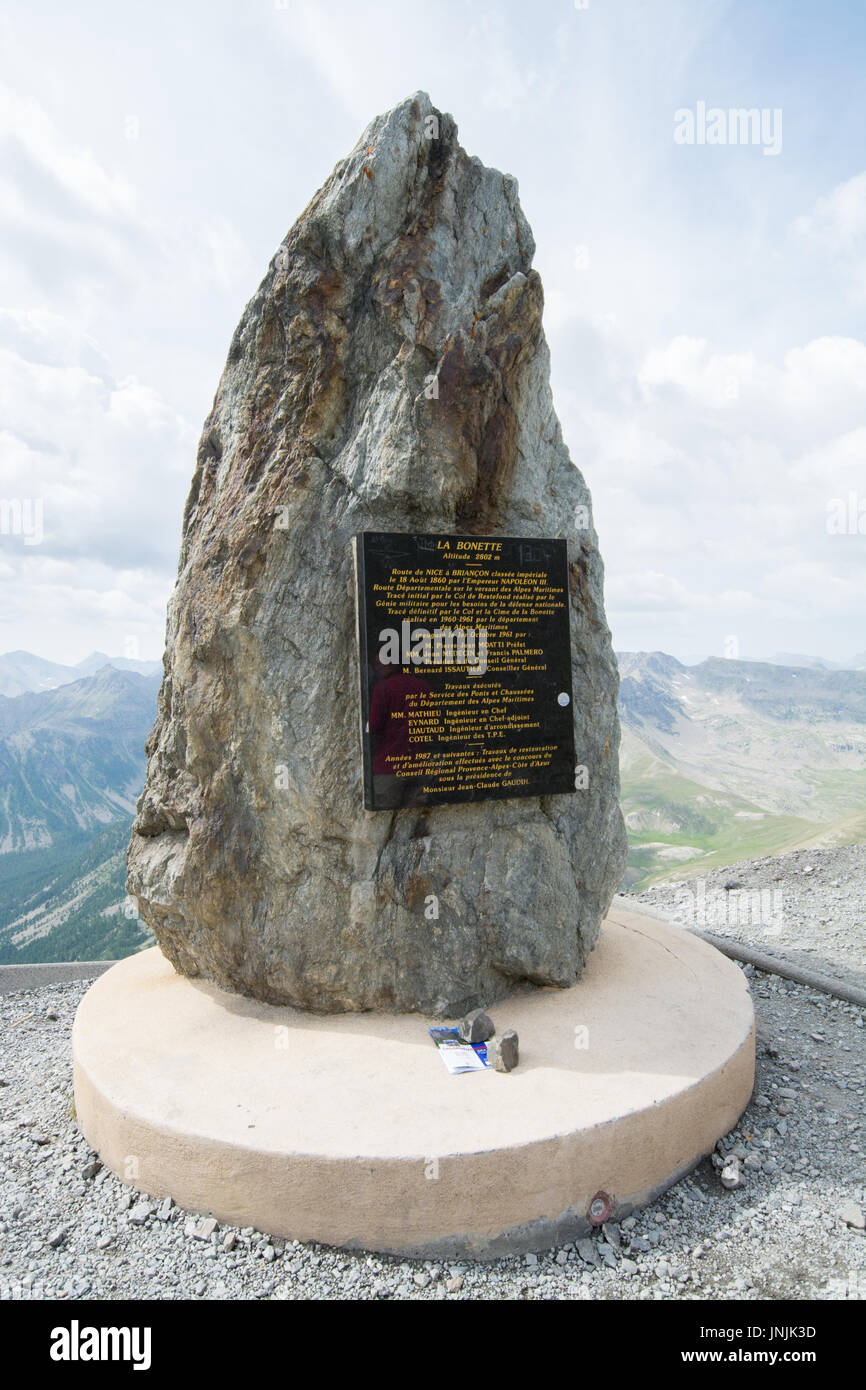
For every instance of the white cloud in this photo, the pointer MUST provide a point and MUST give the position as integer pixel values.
(839, 220)
(711, 503)
(227, 258)
(109, 463)
(71, 169)
(76, 607)
(72, 228)
(836, 226)
(825, 378)
(336, 40)
(107, 458)
(712, 379)
(707, 366)
(63, 215)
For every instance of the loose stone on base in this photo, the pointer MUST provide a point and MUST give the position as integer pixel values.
(354, 1135)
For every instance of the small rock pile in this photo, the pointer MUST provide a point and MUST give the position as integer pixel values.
(503, 1053)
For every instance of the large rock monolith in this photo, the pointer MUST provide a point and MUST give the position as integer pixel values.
(391, 373)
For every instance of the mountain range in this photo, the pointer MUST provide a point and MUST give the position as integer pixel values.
(72, 758)
(21, 672)
(72, 764)
(720, 761)
(857, 662)
(729, 760)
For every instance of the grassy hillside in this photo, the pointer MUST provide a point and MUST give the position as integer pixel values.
(735, 760)
(67, 902)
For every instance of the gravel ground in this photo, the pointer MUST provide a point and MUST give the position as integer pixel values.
(808, 907)
(793, 1228)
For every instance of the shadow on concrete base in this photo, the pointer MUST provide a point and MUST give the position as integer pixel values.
(348, 1130)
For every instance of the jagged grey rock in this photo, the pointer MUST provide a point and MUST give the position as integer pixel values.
(476, 1027)
(503, 1053)
(390, 373)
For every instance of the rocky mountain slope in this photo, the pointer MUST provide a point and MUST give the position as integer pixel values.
(856, 663)
(71, 759)
(805, 908)
(71, 769)
(69, 902)
(732, 760)
(721, 763)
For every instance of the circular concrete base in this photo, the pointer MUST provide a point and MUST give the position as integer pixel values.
(348, 1130)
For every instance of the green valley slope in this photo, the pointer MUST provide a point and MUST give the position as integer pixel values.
(729, 760)
(72, 764)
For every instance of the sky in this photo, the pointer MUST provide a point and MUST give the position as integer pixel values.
(705, 302)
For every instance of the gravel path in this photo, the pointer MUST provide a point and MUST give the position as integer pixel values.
(808, 907)
(69, 1229)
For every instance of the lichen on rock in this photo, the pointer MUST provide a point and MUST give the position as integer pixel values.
(391, 373)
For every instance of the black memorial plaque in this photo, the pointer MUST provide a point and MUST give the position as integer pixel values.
(465, 658)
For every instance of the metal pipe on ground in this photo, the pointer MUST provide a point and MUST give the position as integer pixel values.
(771, 965)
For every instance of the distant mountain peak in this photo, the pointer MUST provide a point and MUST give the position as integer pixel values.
(21, 671)
(639, 664)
